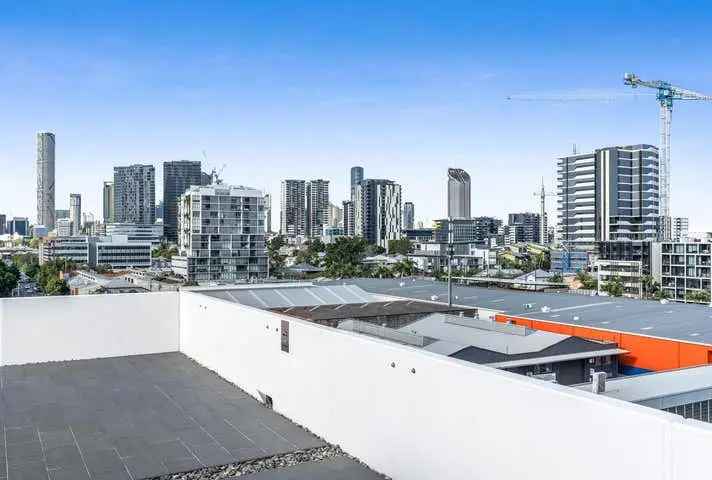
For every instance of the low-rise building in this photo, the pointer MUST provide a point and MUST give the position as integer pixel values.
(63, 227)
(71, 248)
(686, 391)
(19, 226)
(458, 332)
(330, 234)
(683, 270)
(118, 252)
(631, 251)
(115, 251)
(135, 232)
(629, 272)
(569, 261)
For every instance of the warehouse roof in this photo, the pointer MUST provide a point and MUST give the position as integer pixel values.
(679, 321)
(293, 295)
(491, 336)
(639, 388)
(371, 309)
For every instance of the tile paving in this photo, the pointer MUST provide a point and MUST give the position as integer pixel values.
(131, 418)
(334, 468)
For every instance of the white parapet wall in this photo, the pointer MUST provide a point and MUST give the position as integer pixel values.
(44, 329)
(418, 416)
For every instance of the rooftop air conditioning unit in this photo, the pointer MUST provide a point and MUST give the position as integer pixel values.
(598, 382)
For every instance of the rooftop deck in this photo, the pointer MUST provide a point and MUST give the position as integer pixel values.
(139, 417)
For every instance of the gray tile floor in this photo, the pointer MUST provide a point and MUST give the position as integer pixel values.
(334, 468)
(131, 418)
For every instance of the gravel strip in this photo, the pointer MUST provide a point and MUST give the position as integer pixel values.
(253, 466)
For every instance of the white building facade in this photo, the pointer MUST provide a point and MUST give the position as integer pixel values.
(221, 234)
(142, 233)
(683, 270)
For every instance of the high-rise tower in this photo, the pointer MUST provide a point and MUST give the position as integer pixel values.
(75, 212)
(458, 193)
(356, 178)
(317, 207)
(178, 176)
(108, 202)
(45, 179)
(292, 202)
(135, 194)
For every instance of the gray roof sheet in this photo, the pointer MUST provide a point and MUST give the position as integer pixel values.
(291, 296)
(686, 322)
(438, 326)
(654, 385)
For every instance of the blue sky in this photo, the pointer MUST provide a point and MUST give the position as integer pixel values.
(297, 89)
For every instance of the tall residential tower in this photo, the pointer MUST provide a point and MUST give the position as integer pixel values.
(378, 211)
(292, 202)
(108, 202)
(45, 179)
(135, 194)
(611, 194)
(317, 207)
(356, 178)
(408, 216)
(178, 176)
(75, 212)
(458, 193)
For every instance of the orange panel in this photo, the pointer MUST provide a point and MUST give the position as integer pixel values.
(650, 353)
(596, 334)
(516, 320)
(692, 355)
(552, 327)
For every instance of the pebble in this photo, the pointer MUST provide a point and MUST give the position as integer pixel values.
(253, 466)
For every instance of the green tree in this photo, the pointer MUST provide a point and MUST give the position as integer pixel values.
(699, 296)
(56, 286)
(49, 278)
(404, 268)
(650, 286)
(28, 264)
(661, 294)
(9, 276)
(586, 280)
(343, 257)
(556, 278)
(310, 254)
(102, 268)
(401, 246)
(381, 271)
(614, 287)
(165, 251)
(276, 260)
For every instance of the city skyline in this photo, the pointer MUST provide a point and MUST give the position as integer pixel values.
(429, 92)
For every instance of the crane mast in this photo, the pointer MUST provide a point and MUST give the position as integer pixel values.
(666, 94)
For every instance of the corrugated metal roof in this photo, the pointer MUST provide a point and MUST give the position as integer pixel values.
(318, 311)
(481, 335)
(556, 358)
(679, 321)
(656, 385)
(291, 296)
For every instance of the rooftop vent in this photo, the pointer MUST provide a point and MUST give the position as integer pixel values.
(598, 382)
